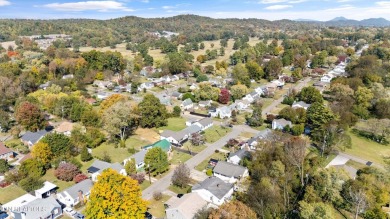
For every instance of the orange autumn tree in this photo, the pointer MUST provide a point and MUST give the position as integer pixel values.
(115, 196)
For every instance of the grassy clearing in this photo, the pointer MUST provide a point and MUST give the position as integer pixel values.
(174, 124)
(136, 143)
(49, 176)
(367, 149)
(85, 165)
(147, 135)
(179, 157)
(277, 109)
(156, 208)
(203, 165)
(10, 193)
(179, 190)
(355, 164)
(214, 133)
(247, 134)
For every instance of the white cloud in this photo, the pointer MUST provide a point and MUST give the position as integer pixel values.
(278, 7)
(383, 4)
(4, 2)
(341, 1)
(89, 6)
(168, 7)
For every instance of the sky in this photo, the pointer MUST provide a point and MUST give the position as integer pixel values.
(265, 9)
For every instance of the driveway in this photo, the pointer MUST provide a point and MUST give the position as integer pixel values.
(338, 161)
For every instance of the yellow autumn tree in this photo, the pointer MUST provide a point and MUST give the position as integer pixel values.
(115, 196)
(233, 210)
(41, 151)
(111, 100)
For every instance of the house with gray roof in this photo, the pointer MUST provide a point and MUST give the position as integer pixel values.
(222, 112)
(39, 208)
(242, 104)
(214, 190)
(280, 124)
(76, 193)
(177, 95)
(205, 103)
(301, 104)
(204, 123)
(31, 138)
(99, 166)
(187, 104)
(230, 172)
(178, 137)
(138, 157)
(236, 157)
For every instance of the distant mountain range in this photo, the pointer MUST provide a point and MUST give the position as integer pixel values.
(342, 21)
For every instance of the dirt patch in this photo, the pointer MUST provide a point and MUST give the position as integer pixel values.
(147, 135)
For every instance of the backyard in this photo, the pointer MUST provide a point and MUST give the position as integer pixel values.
(10, 193)
(174, 124)
(49, 176)
(179, 157)
(367, 149)
(156, 208)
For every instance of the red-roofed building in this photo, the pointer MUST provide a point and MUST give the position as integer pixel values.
(5, 153)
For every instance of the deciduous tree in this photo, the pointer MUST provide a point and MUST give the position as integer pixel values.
(115, 196)
(41, 151)
(238, 91)
(233, 209)
(30, 116)
(153, 113)
(224, 96)
(156, 160)
(181, 176)
(130, 167)
(66, 171)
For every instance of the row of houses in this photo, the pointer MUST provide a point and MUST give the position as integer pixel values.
(177, 138)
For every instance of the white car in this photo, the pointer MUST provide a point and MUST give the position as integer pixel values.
(69, 211)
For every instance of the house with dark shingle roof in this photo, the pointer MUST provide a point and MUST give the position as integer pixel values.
(178, 137)
(76, 193)
(5, 153)
(230, 172)
(214, 190)
(31, 138)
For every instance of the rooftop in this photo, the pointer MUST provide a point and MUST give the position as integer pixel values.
(214, 185)
(229, 169)
(187, 205)
(163, 144)
(83, 186)
(4, 149)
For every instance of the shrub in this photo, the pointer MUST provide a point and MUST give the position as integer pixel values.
(85, 155)
(140, 177)
(79, 177)
(4, 167)
(30, 184)
(157, 195)
(209, 172)
(66, 172)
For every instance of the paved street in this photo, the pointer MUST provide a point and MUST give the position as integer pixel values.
(165, 182)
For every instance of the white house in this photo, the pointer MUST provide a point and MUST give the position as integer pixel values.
(242, 104)
(278, 83)
(102, 95)
(205, 103)
(326, 78)
(38, 208)
(204, 123)
(138, 157)
(70, 76)
(47, 189)
(185, 207)
(99, 166)
(102, 84)
(173, 137)
(280, 123)
(301, 104)
(222, 112)
(260, 90)
(76, 193)
(5, 153)
(18, 202)
(194, 87)
(229, 172)
(214, 190)
(187, 104)
(236, 157)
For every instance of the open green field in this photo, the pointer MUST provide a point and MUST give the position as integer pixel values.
(367, 149)
(214, 133)
(116, 154)
(136, 143)
(192, 148)
(49, 176)
(10, 193)
(174, 124)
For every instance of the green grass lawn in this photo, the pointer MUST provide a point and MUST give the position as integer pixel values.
(203, 165)
(10, 193)
(193, 148)
(247, 134)
(179, 190)
(367, 149)
(214, 133)
(329, 159)
(146, 183)
(156, 208)
(355, 164)
(116, 154)
(179, 157)
(49, 176)
(174, 124)
(266, 102)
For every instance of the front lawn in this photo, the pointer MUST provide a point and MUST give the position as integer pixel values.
(62, 185)
(367, 149)
(193, 148)
(215, 132)
(217, 156)
(174, 124)
(10, 193)
(156, 208)
(179, 190)
(179, 157)
(145, 184)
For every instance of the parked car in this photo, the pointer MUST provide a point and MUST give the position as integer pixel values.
(78, 216)
(180, 195)
(148, 215)
(3, 215)
(69, 211)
